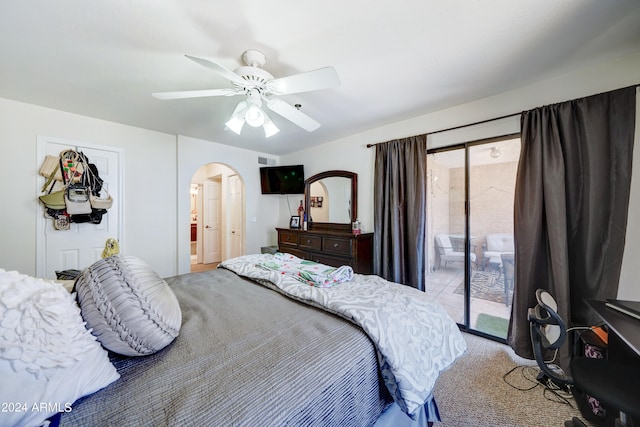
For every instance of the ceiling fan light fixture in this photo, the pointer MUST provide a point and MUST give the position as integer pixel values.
(259, 85)
(255, 116)
(236, 122)
(269, 128)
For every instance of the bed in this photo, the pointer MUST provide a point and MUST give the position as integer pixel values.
(251, 352)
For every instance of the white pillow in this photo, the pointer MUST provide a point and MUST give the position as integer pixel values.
(48, 359)
(130, 309)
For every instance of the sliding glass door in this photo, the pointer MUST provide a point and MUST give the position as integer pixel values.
(470, 231)
(446, 229)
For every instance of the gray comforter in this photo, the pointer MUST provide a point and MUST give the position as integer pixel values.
(245, 356)
(414, 335)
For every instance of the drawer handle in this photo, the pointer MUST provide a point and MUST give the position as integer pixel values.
(288, 238)
(309, 242)
(335, 245)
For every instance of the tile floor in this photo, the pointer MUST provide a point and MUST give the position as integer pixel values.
(442, 283)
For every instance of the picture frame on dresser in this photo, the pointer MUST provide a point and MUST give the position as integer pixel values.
(294, 222)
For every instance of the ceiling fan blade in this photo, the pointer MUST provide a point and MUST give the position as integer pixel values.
(292, 114)
(196, 93)
(227, 74)
(322, 78)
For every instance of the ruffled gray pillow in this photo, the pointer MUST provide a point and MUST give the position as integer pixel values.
(131, 310)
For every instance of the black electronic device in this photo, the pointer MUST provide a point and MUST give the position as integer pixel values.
(282, 179)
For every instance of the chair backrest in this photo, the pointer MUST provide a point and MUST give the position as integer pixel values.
(443, 243)
(548, 332)
(500, 242)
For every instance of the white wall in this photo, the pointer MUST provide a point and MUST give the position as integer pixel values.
(629, 276)
(156, 189)
(150, 195)
(354, 156)
(261, 211)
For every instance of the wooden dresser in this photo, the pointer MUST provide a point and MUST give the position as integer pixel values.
(329, 247)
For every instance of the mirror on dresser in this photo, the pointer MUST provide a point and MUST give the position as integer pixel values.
(328, 238)
(331, 200)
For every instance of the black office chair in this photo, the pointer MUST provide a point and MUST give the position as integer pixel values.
(615, 385)
(548, 332)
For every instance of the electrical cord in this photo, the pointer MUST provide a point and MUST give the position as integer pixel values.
(531, 374)
(551, 391)
(523, 369)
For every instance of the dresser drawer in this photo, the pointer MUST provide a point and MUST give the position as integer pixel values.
(329, 260)
(329, 247)
(337, 245)
(310, 242)
(285, 238)
(295, 252)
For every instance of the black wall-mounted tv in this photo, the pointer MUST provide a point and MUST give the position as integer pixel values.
(282, 179)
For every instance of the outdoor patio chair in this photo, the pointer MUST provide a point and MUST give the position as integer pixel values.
(495, 246)
(447, 254)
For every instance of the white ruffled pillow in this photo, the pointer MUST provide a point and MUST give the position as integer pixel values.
(131, 310)
(48, 359)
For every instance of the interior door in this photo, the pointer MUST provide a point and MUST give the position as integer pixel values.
(236, 216)
(82, 244)
(211, 224)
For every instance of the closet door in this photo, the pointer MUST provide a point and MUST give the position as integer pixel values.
(236, 216)
(83, 243)
(211, 225)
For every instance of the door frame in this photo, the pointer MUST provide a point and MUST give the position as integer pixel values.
(465, 148)
(225, 213)
(41, 150)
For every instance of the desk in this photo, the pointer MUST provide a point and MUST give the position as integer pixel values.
(625, 327)
(624, 339)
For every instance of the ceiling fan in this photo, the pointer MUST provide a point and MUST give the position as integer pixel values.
(258, 86)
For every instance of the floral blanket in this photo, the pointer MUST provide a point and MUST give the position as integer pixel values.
(414, 336)
(309, 272)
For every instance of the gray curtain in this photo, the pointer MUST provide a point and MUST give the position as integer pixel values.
(400, 207)
(571, 202)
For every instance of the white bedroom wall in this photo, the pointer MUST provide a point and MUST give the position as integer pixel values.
(351, 153)
(149, 204)
(156, 166)
(261, 211)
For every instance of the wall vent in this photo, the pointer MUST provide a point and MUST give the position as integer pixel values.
(266, 161)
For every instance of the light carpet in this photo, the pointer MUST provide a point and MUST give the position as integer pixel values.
(473, 393)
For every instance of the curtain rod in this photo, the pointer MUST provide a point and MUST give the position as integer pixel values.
(459, 127)
(487, 120)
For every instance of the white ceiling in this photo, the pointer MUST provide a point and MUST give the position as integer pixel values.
(396, 60)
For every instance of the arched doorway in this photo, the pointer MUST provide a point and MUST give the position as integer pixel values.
(217, 216)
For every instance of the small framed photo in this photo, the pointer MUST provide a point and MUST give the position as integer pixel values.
(294, 222)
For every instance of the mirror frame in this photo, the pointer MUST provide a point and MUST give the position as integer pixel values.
(332, 226)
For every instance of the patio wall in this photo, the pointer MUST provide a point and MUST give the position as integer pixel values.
(491, 188)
